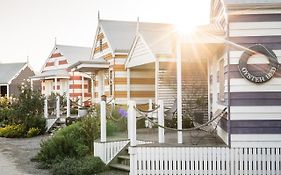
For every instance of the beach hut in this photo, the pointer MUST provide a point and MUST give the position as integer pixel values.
(241, 50)
(12, 75)
(113, 42)
(56, 78)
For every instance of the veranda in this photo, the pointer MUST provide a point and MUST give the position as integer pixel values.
(156, 151)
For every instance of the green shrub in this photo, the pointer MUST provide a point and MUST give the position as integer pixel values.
(111, 128)
(12, 131)
(91, 127)
(35, 122)
(67, 142)
(85, 166)
(33, 132)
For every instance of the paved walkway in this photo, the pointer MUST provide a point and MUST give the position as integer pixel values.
(15, 155)
(8, 166)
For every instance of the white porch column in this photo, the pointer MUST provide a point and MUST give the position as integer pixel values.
(156, 79)
(103, 121)
(56, 85)
(179, 92)
(132, 131)
(31, 84)
(67, 100)
(58, 106)
(128, 85)
(67, 105)
(92, 90)
(161, 134)
(100, 84)
(83, 98)
(46, 107)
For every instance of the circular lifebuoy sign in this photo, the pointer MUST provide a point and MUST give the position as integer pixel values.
(259, 76)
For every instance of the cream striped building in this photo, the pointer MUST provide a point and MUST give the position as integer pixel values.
(114, 39)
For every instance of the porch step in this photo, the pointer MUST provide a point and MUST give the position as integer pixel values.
(121, 161)
(56, 126)
(125, 157)
(120, 166)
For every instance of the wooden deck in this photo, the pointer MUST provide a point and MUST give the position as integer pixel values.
(190, 138)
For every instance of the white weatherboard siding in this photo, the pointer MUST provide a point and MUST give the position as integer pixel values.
(248, 123)
(135, 74)
(141, 54)
(135, 87)
(243, 85)
(256, 140)
(138, 100)
(255, 59)
(254, 28)
(255, 112)
(119, 60)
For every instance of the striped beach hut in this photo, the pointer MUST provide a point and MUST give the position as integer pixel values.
(237, 59)
(57, 78)
(113, 41)
(247, 72)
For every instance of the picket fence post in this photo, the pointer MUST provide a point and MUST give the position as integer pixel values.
(103, 121)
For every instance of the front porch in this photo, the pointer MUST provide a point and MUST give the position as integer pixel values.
(200, 153)
(190, 138)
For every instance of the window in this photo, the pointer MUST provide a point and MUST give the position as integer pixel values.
(221, 80)
(100, 45)
(89, 86)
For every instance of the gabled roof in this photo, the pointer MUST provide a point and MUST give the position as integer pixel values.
(74, 53)
(157, 39)
(121, 34)
(8, 71)
(71, 53)
(251, 4)
(62, 73)
(160, 38)
(241, 2)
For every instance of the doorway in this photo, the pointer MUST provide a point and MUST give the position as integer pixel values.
(3, 90)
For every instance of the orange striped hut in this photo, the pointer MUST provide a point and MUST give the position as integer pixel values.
(57, 78)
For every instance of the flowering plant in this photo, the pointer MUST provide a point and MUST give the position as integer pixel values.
(123, 113)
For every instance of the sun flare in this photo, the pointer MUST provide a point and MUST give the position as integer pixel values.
(184, 27)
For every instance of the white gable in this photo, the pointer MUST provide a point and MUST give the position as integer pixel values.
(140, 54)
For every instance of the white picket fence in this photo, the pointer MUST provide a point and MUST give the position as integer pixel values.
(108, 150)
(204, 160)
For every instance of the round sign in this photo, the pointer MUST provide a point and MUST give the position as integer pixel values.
(258, 76)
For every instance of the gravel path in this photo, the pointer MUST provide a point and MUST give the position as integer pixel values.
(15, 155)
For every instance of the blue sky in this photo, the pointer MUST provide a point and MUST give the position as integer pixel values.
(28, 27)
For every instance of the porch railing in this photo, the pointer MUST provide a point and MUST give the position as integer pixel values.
(108, 150)
(204, 160)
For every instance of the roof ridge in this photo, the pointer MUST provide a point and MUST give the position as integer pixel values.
(144, 22)
(73, 46)
(13, 63)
